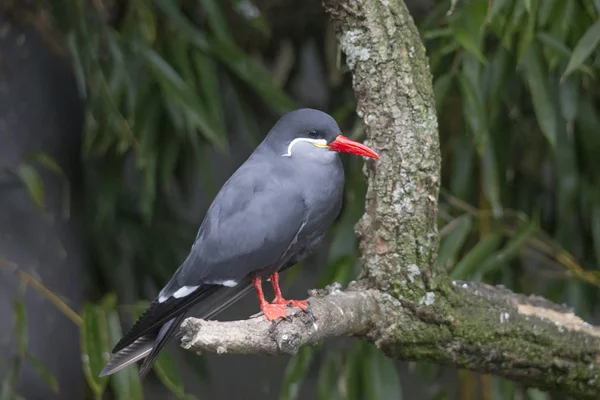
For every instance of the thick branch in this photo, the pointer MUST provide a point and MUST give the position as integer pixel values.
(335, 314)
(484, 328)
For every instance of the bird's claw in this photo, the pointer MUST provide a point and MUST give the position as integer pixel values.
(274, 311)
(301, 304)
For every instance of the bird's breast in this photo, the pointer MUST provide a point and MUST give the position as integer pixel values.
(323, 198)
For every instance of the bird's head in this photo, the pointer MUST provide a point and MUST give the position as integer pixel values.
(313, 134)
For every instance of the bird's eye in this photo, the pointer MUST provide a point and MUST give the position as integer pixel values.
(313, 134)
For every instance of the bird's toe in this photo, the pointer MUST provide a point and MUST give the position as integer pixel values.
(274, 311)
(301, 304)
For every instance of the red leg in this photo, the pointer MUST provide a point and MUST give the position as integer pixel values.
(271, 311)
(302, 304)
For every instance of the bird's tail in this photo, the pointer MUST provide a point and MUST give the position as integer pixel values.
(149, 345)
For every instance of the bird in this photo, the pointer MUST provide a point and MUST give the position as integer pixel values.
(270, 214)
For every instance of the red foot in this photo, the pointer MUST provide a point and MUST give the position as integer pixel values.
(273, 311)
(301, 304)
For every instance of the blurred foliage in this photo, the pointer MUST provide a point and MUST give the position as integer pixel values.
(517, 95)
(517, 92)
(154, 76)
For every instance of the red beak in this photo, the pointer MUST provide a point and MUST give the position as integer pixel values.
(345, 145)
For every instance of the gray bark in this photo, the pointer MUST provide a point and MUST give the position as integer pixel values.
(410, 309)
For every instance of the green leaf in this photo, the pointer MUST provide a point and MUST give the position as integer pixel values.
(215, 19)
(468, 27)
(383, 381)
(545, 11)
(208, 85)
(21, 326)
(43, 372)
(327, 379)
(596, 231)
(536, 394)
(511, 250)
(126, 382)
(472, 261)
(584, 48)
(474, 113)
(168, 374)
(49, 163)
(9, 383)
(146, 18)
(452, 238)
(490, 184)
(462, 182)
(527, 36)
(252, 74)
(33, 183)
(555, 44)
(180, 92)
(95, 346)
(568, 91)
(180, 21)
(467, 42)
(495, 7)
(295, 373)
(538, 88)
(441, 87)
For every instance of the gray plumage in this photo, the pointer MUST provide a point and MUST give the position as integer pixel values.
(272, 212)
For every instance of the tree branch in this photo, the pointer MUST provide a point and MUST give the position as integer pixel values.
(335, 314)
(487, 329)
(403, 302)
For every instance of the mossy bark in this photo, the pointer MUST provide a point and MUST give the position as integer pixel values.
(426, 316)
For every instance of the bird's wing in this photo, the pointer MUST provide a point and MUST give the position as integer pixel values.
(250, 226)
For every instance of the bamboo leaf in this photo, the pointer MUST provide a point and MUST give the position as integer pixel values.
(8, 384)
(441, 88)
(95, 346)
(474, 113)
(126, 382)
(171, 9)
(472, 261)
(179, 91)
(584, 48)
(596, 231)
(528, 34)
(168, 374)
(467, 42)
(208, 85)
(383, 381)
(569, 97)
(33, 183)
(452, 238)
(490, 183)
(535, 394)
(215, 19)
(326, 382)
(295, 373)
(43, 372)
(252, 74)
(49, 163)
(542, 104)
(21, 326)
(512, 248)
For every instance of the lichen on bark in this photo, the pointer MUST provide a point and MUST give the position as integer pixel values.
(394, 95)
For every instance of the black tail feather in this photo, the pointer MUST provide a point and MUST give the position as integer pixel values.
(165, 334)
(147, 344)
